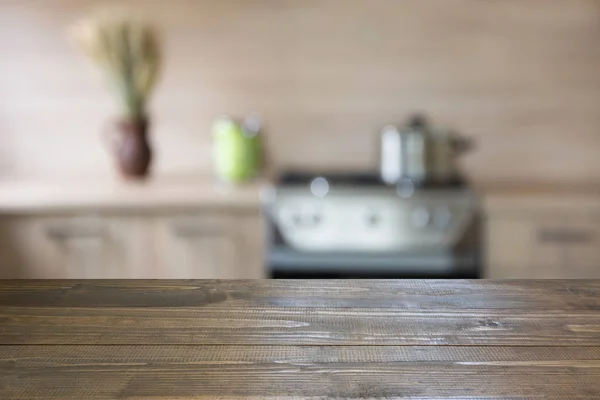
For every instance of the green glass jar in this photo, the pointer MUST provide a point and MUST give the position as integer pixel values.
(237, 150)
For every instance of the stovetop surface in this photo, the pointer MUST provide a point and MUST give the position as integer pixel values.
(336, 178)
(360, 178)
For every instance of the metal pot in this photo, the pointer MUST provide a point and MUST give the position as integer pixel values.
(420, 154)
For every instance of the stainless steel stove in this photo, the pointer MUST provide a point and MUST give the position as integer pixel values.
(355, 226)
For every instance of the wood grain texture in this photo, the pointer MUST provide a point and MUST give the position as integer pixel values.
(296, 325)
(409, 339)
(408, 295)
(520, 77)
(173, 372)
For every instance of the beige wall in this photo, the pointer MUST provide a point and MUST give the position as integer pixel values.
(522, 76)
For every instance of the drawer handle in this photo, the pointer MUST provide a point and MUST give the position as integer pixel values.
(566, 236)
(192, 231)
(65, 232)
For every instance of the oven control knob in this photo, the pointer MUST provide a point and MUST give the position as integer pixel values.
(372, 219)
(296, 219)
(319, 187)
(420, 217)
(290, 216)
(311, 215)
(316, 218)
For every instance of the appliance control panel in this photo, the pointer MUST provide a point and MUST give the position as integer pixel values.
(346, 219)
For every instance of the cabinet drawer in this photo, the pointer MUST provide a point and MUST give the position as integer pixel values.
(581, 250)
(543, 247)
(53, 247)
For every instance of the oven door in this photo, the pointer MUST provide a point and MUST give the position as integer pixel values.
(293, 264)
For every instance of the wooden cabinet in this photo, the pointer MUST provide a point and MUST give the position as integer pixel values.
(198, 244)
(51, 247)
(508, 247)
(28, 248)
(580, 246)
(199, 247)
(71, 247)
(543, 245)
(224, 245)
(130, 247)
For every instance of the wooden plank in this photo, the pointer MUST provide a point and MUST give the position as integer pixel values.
(47, 356)
(259, 339)
(410, 295)
(296, 325)
(185, 372)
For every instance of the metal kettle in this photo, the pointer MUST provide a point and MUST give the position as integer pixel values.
(419, 153)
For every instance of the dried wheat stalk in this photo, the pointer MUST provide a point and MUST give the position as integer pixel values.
(127, 50)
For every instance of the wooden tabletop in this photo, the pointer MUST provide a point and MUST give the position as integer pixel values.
(299, 339)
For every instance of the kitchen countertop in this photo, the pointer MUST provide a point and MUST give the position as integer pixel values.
(17, 196)
(540, 197)
(300, 339)
(23, 196)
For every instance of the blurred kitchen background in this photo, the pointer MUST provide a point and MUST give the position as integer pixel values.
(438, 138)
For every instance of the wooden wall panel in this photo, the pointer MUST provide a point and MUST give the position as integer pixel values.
(521, 76)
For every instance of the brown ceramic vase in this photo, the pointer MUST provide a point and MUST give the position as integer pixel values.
(131, 148)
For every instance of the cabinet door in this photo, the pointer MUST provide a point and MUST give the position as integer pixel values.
(209, 245)
(28, 249)
(246, 229)
(54, 247)
(130, 250)
(563, 245)
(509, 241)
(581, 243)
(86, 246)
(195, 247)
(75, 247)
(523, 246)
(548, 247)
(567, 246)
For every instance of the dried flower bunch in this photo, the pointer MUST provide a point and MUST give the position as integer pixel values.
(127, 50)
